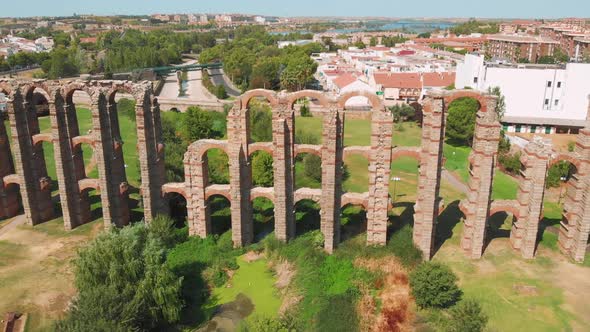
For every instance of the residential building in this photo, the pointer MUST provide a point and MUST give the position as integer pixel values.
(582, 49)
(539, 98)
(3, 104)
(518, 47)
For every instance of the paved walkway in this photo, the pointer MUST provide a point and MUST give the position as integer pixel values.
(218, 77)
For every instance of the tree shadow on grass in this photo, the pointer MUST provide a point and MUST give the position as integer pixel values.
(397, 222)
(494, 230)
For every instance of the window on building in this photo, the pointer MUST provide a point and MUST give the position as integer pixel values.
(533, 129)
(546, 104)
(558, 85)
(556, 102)
(505, 127)
(547, 130)
(518, 128)
(548, 84)
(475, 80)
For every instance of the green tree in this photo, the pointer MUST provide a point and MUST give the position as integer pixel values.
(220, 92)
(373, 42)
(198, 124)
(500, 102)
(558, 171)
(260, 121)
(262, 169)
(434, 286)
(461, 120)
(124, 283)
(402, 112)
(467, 316)
(312, 166)
(61, 64)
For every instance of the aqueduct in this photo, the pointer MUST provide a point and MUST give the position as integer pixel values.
(22, 165)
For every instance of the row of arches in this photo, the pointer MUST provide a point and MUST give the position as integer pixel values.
(80, 150)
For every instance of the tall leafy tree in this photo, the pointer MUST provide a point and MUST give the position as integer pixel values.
(461, 120)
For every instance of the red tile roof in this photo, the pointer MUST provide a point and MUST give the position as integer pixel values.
(344, 80)
(438, 79)
(399, 80)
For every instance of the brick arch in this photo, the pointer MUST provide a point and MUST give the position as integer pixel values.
(199, 148)
(374, 100)
(308, 148)
(259, 192)
(40, 138)
(293, 97)
(566, 157)
(310, 194)
(261, 146)
(12, 179)
(70, 89)
(176, 188)
(508, 206)
(218, 190)
(122, 88)
(84, 139)
(87, 184)
(458, 94)
(270, 95)
(355, 199)
(412, 152)
(30, 89)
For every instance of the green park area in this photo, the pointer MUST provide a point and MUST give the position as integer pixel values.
(295, 285)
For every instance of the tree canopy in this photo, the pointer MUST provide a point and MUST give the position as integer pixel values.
(461, 120)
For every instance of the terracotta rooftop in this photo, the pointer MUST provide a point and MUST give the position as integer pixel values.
(438, 79)
(399, 80)
(344, 80)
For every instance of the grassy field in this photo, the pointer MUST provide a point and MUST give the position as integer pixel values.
(254, 280)
(35, 274)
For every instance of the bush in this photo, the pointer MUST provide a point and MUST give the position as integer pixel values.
(467, 316)
(268, 324)
(560, 170)
(124, 283)
(511, 162)
(262, 169)
(571, 146)
(304, 111)
(434, 286)
(220, 92)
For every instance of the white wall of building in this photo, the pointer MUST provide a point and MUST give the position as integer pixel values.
(550, 93)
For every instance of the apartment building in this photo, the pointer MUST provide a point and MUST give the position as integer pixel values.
(517, 48)
(539, 98)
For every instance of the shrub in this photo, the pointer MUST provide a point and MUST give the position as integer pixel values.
(511, 162)
(262, 169)
(467, 316)
(461, 120)
(434, 286)
(268, 324)
(560, 170)
(312, 166)
(304, 111)
(571, 146)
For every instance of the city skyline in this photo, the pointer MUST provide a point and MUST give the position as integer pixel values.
(380, 8)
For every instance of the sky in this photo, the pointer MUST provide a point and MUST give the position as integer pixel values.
(388, 8)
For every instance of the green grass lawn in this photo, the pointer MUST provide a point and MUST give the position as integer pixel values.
(256, 282)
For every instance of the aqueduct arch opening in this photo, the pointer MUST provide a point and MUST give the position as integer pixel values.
(240, 192)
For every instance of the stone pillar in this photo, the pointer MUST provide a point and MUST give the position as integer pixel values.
(332, 164)
(525, 230)
(117, 165)
(104, 151)
(8, 198)
(34, 186)
(240, 177)
(379, 176)
(196, 175)
(427, 204)
(575, 227)
(482, 162)
(283, 164)
(151, 154)
(75, 206)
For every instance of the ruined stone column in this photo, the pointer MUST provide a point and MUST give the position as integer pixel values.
(482, 162)
(332, 164)
(240, 177)
(75, 205)
(8, 198)
(535, 159)
(379, 176)
(427, 204)
(283, 164)
(104, 152)
(34, 185)
(151, 153)
(575, 227)
(196, 175)
(117, 164)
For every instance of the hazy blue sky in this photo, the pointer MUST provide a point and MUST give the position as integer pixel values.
(392, 8)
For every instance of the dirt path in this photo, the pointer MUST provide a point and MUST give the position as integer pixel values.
(453, 181)
(16, 221)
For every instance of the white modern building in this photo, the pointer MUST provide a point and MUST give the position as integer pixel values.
(539, 98)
